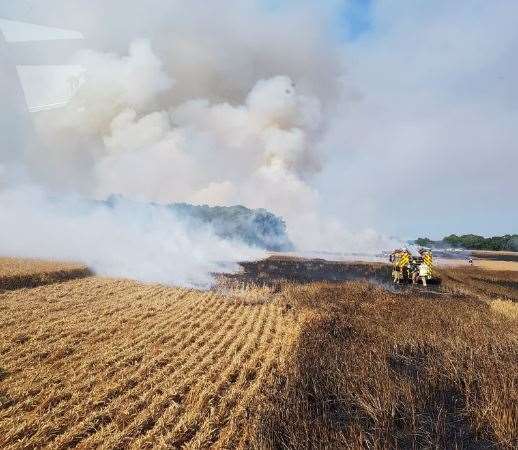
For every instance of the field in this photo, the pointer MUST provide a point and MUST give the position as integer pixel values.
(501, 261)
(495, 256)
(289, 353)
(18, 273)
(510, 266)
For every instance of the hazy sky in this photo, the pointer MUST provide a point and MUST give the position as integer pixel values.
(429, 141)
(425, 141)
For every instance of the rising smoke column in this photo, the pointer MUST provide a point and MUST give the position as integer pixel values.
(261, 152)
(197, 113)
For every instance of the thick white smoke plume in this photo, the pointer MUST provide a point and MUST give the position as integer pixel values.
(122, 240)
(260, 152)
(208, 106)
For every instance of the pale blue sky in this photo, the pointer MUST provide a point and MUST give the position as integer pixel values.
(356, 18)
(428, 145)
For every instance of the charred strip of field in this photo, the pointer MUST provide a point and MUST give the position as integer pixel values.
(496, 256)
(481, 283)
(275, 271)
(9, 283)
(17, 273)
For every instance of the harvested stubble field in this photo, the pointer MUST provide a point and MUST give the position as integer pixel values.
(274, 357)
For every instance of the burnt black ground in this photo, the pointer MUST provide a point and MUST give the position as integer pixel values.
(278, 270)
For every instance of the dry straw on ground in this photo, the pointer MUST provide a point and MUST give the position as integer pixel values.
(372, 369)
(506, 307)
(272, 358)
(116, 363)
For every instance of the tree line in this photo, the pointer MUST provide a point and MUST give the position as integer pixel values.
(254, 227)
(508, 242)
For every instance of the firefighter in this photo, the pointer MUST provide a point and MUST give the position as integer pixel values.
(424, 272)
(415, 275)
(413, 270)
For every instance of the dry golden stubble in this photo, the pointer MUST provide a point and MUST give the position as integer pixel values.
(96, 361)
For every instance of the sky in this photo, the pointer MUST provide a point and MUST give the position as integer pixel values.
(429, 140)
(424, 139)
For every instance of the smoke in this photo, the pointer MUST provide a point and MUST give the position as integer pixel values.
(200, 104)
(121, 240)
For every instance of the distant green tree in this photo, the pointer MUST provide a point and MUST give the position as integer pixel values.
(424, 242)
(507, 242)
